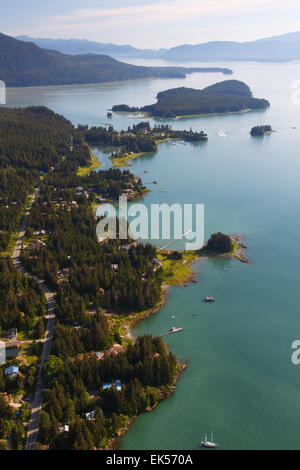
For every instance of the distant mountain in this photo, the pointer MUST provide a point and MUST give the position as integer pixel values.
(281, 48)
(83, 46)
(25, 64)
(224, 97)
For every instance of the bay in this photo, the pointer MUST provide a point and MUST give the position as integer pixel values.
(240, 381)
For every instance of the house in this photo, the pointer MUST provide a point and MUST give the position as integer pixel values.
(116, 383)
(106, 385)
(12, 333)
(90, 416)
(64, 428)
(99, 355)
(12, 371)
(36, 244)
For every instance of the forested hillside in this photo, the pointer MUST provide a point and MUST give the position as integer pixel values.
(25, 64)
(224, 97)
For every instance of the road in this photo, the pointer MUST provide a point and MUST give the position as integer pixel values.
(37, 402)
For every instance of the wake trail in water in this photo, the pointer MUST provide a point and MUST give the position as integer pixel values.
(222, 133)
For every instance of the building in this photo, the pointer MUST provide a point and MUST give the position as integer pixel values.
(116, 384)
(64, 428)
(12, 350)
(99, 355)
(12, 371)
(90, 416)
(13, 332)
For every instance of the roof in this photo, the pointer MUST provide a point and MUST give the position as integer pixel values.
(91, 415)
(11, 370)
(64, 428)
(116, 383)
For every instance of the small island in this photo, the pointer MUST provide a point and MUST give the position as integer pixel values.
(259, 131)
(220, 244)
(229, 96)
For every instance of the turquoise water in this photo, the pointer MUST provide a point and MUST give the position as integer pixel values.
(240, 381)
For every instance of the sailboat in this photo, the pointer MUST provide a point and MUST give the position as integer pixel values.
(209, 444)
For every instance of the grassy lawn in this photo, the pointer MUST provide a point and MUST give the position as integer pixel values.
(95, 163)
(123, 161)
(176, 272)
(26, 354)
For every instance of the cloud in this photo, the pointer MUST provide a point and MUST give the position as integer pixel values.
(163, 23)
(167, 9)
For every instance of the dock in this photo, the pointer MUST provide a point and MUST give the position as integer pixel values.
(176, 239)
(173, 330)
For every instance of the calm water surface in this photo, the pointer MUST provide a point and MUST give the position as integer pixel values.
(240, 381)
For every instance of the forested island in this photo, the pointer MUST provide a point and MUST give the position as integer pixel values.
(261, 131)
(224, 97)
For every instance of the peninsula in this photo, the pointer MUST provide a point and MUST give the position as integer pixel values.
(228, 96)
(25, 64)
(138, 140)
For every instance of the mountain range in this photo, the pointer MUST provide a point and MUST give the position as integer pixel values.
(25, 64)
(276, 48)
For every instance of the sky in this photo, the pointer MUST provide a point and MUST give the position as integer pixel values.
(151, 24)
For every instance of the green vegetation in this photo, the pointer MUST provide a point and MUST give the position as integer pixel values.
(138, 140)
(124, 108)
(98, 287)
(94, 164)
(32, 140)
(176, 269)
(260, 130)
(21, 301)
(146, 370)
(224, 97)
(220, 243)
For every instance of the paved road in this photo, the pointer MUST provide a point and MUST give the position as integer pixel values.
(36, 405)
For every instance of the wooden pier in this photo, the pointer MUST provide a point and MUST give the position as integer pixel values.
(173, 330)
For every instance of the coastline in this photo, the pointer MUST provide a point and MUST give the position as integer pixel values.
(178, 272)
(176, 118)
(131, 322)
(114, 441)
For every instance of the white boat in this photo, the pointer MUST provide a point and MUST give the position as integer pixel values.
(209, 298)
(209, 444)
